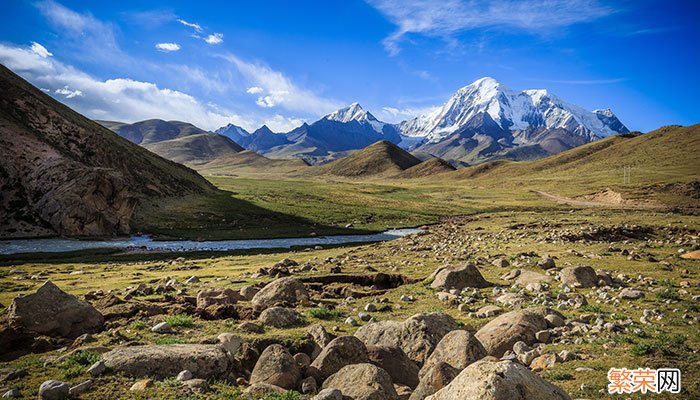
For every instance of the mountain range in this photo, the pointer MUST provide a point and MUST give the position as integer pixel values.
(482, 121)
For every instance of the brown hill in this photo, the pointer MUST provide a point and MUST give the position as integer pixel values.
(429, 167)
(61, 173)
(379, 159)
(249, 162)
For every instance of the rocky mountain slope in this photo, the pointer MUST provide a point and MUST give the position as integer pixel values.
(63, 174)
(177, 141)
(487, 120)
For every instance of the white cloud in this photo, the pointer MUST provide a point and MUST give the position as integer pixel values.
(168, 47)
(394, 115)
(196, 27)
(279, 90)
(279, 123)
(215, 38)
(119, 99)
(255, 90)
(40, 50)
(445, 18)
(69, 94)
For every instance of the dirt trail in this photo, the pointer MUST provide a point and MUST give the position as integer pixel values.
(590, 203)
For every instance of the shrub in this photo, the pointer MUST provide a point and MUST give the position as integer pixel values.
(183, 320)
(325, 313)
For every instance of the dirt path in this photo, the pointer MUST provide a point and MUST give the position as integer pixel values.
(588, 203)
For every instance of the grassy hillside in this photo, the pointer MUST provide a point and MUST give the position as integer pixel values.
(379, 159)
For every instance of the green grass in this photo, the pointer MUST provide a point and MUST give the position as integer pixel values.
(181, 320)
(76, 364)
(325, 313)
(163, 341)
(663, 345)
(591, 308)
(667, 294)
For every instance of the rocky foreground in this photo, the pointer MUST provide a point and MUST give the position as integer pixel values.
(498, 307)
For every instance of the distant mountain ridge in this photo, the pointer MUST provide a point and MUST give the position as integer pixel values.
(482, 121)
(177, 141)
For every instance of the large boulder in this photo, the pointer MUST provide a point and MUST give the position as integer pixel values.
(53, 312)
(459, 277)
(502, 332)
(417, 336)
(531, 280)
(435, 378)
(276, 367)
(458, 348)
(341, 351)
(582, 276)
(165, 361)
(210, 297)
(394, 361)
(280, 317)
(288, 292)
(363, 382)
(490, 379)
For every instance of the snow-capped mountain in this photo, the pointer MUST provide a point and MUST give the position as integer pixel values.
(355, 112)
(512, 111)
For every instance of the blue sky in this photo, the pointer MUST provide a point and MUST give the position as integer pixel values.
(281, 63)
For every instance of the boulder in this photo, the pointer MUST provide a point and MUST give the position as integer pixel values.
(582, 276)
(52, 312)
(248, 292)
(329, 394)
(165, 361)
(504, 331)
(488, 311)
(210, 297)
(531, 280)
(262, 390)
(511, 299)
(53, 390)
(396, 363)
(341, 351)
(280, 317)
(287, 291)
(435, 378)
(416, 336)
(459, 277)
(631, 294)
(363, 382)
(490, 379)
(276, 367)
(320, 337)
(458, 348)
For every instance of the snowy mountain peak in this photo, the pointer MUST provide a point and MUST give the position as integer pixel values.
(353, 112)
(512, 111)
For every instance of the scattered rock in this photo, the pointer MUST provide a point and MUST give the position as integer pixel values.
(416, 336)
(97, 369)
(308, 385)
(184, 375)
(511, 299)
(230, 342)
(52, 312)
(582, 276)
(197, 385)
(500, 263)
(489, 379)
(276, 367)
(82, 387)
(488, 311)
(248, 292)
(363, 382)
(141, 385)
(329, 394)
(303, 360)
(543, 336)
(631, 294)
(261, 390)
(251, 327)
(162, 327)
(53, 390)
(14, 393)
(459, 278)
(341, 351)
(211, 297)
(164, 361)
(531, 280)
(396, 363)
(320, 337)
(501, 333)
(546, 263)
(280, 317)
(283, 291)
(543, 362)
(458, 348)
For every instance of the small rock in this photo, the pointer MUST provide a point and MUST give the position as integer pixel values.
(631, 294)
(192, 279)
(308, 385)
(488, 311)
(251, 327)
(198, 385)
(500, 263)
(543, 362)
(329, 394)
(141, 385)
(543, 336)
(53, 390)
(162, 327)
(364, 316)
(97, 368)
(302, 360)
(351, 321)
(370, 307)
(230, 342)
(12, 394)
(80, 388)
(184, 375)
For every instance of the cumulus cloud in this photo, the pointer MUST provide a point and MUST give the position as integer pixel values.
(445, 18)
(395, 115)
(215, 38)
(279, 123)
(255, 90)
(276, 89)
(192, 25)
(40, 50)
(69, 94)
(168, 47)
